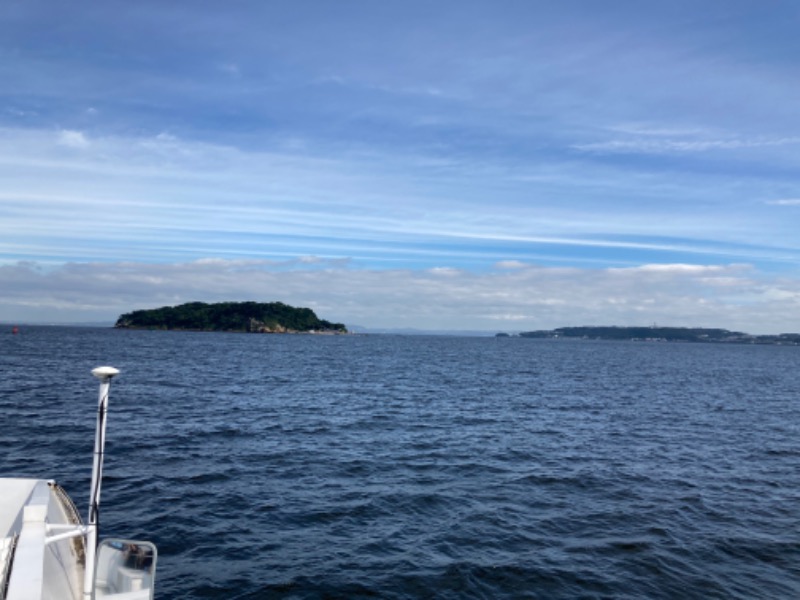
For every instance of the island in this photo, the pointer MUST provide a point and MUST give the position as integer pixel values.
(664, 334)
(250, 317)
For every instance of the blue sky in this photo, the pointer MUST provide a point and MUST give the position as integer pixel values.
(447, 165)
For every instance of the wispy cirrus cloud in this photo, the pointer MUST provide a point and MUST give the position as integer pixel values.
(664, 142)
(165, 198)
(784, 202)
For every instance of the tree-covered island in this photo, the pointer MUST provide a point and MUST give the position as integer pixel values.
(251, 317)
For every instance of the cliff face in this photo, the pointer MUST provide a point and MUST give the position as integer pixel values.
(252, 317)
(256, 326)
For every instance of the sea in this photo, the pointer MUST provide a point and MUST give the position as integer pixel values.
(405, 467)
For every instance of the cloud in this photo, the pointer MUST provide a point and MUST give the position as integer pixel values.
(444, 271)
(647, 145)
(784, 202)
(164, 198)
(231, 69)
(653, 129)
(510, 264)
(683, 269)
(72, 139)
(529, 297)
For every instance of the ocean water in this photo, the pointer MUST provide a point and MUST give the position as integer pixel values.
(424, 467)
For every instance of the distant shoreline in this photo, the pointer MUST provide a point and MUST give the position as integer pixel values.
(664, 334)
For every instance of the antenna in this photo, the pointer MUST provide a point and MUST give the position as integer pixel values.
(104, 374)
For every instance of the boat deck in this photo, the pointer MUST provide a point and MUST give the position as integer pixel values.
(33, 567)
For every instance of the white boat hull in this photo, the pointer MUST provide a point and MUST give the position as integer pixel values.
(31, 566)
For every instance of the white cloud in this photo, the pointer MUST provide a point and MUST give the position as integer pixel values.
(510, 264)
(682, 268)
(785, 202)
(534, 297)
(72, 139)
(444, 271)
(649, 145)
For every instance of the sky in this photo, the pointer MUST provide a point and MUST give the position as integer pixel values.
(477, 165)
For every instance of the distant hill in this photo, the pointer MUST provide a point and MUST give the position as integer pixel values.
(666, 334)
(252, 317)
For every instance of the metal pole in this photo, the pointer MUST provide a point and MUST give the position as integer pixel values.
(104, 374)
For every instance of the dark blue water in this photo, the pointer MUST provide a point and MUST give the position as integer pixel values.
(424, 467)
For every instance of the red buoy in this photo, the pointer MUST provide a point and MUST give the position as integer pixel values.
(15, 330)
